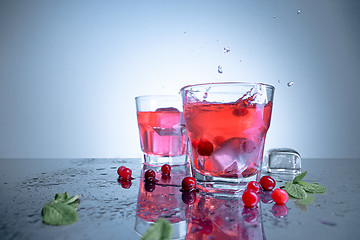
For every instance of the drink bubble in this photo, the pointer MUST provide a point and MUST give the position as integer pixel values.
(220, 69)
(290, 83)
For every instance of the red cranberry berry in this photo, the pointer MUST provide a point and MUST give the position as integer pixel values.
(205, 148)
(188, 183)
(166, 169)
(250, 198)
(280, 196)
(253, 185)
(195, 143)
(240, 111)
(150, 175)
(125, 174)
(120, 169)
(268, 183)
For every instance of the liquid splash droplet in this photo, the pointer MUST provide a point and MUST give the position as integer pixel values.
(220, 69)
(298, 12)
(290, 83)
(274, 17)
(226, 49)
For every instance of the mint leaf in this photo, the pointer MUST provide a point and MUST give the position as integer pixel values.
(62, 210)
(295, 190)
(160, 230)
(314, 188)
(59, 214)
(299, 177)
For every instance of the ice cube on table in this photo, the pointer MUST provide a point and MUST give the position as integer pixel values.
(282, 160)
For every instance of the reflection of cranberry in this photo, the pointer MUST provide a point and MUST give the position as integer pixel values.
(266, 197)
(166, 178)
(279, 211)
(205, 148)
(188, 197)
(250, 214)
(125, 183)
(150, 186)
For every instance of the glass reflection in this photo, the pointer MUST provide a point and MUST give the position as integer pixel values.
(163, 199)
(214, 217)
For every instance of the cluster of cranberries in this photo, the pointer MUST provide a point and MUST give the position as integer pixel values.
(251, 197)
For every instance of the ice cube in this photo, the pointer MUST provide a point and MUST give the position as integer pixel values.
(167, 109)
(282, 160)
(233, 156)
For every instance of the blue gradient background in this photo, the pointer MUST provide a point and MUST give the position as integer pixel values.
(70, 70)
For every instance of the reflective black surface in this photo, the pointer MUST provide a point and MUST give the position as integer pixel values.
(113, 210)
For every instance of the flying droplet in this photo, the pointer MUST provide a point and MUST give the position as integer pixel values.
(220, 69)
(274, 17)
(298, 12)
(226, 49)
(279, 81)
(290, 83)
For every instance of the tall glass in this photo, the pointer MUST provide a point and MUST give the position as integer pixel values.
(227, 125)
(162, 130)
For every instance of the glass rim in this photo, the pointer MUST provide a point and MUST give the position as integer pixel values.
(160, 96)
(228, 84)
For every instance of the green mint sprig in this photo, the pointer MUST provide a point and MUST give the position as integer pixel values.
(62, 210)
(161, 230)
(299, 189)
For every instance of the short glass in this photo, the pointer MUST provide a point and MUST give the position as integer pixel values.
(163, 137)
(227, 125)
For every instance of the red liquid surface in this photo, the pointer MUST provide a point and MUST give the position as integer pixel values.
(227, 139)
(162, 132)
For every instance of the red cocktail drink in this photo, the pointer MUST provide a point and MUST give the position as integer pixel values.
(227, 125)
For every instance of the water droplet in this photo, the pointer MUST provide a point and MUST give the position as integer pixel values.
(274, 17)
(220, 69)
(290, 83)
(279, 81)
(298, 12)
(226, 49)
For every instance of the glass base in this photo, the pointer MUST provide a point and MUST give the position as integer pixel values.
(223, 186)
(158, 161)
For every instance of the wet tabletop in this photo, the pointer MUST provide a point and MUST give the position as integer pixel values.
(112, 210)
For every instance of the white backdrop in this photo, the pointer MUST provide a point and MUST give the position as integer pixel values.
(70, 70)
